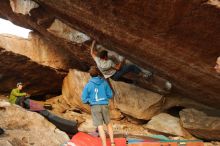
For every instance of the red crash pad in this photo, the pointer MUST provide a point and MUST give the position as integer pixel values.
(194, 144)
(83, 139)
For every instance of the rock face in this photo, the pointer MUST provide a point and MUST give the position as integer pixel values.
(38, 50)
(28, 128)
(73, 85)
(212, 143)
(119, 127)
(62, 30)
(170, 36)
(87, 126)
(167, 124)
(135, 101)
(129, 99)
(5, 143)
(23, 6)
(176, 101)
(38, 79)
(200, 125)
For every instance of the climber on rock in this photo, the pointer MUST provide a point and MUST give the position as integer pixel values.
(217, 66)
(115, 71)
(18, 97)
(97, 93)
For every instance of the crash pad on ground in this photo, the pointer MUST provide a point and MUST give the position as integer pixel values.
(140, 140)
(35, 106)
(83, 139)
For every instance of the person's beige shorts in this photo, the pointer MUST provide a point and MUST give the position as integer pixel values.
(100, 115)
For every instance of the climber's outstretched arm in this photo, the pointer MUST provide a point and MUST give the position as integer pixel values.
(92, 51)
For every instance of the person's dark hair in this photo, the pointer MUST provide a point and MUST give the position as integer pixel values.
(94, 71)
(103, 54)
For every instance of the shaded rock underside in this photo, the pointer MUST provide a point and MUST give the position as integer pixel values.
(17, 68)
(177, 39)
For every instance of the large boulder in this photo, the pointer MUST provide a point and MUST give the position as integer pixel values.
(73, 85)
(136, 102)
(129, 99)
(214, 143)
(37, 49)
(121, 128)
(174, 103)
(200, 124)
(167, 124)
(87, 125)
(23, 127)
(72, 88)
(38, 79)
(168, 36)
(59, 105)
(64, 31)
(23, 7)
(5, 143)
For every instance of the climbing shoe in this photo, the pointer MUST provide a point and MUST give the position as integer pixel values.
(147, 75)
(168, 86)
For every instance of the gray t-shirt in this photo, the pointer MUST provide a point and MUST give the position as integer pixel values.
(105, 66)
